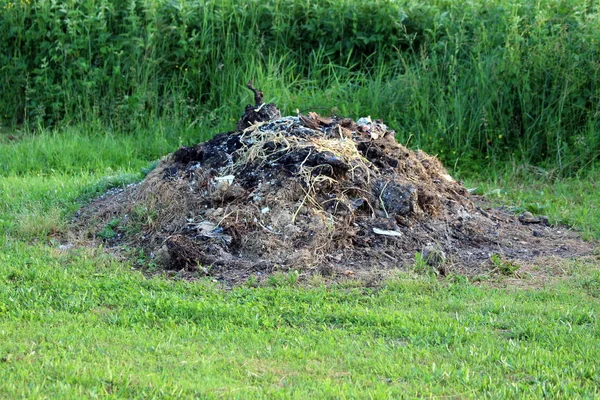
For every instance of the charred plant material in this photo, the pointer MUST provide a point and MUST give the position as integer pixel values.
(317, 195)
(259, 96)
(259, 112)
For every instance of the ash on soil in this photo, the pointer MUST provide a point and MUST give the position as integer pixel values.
(326, 196)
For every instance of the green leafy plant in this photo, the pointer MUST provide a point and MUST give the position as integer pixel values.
(420, 266)
(503, 266)
(110, 230)
(282, 279)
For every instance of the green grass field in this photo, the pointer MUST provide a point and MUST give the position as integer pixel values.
(92, 92)
(77, 323)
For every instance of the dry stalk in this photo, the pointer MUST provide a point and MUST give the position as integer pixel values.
(381, 199)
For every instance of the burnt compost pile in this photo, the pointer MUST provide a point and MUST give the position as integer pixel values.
(330, 196)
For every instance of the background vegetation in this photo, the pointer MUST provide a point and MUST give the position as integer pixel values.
(479, 80)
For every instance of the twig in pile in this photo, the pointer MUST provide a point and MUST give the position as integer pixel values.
(259, 97)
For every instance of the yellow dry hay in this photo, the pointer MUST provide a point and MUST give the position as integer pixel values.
(340, 147)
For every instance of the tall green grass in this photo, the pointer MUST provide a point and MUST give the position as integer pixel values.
(476, 80)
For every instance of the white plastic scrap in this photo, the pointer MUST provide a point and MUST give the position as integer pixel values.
(202, 227)
(375, 129)
(364, 121)
(387, 232)
(225, 179)
(447, 177)
(210, 230)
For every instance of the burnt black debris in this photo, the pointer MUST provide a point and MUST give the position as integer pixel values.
(259, 112)
(319, 195)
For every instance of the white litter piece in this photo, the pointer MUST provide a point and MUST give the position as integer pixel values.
(387, 233)
(364, 121)
(225, 179)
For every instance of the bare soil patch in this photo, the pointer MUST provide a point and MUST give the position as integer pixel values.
(319, 195)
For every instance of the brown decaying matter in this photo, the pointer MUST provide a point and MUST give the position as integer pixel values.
(327, 196)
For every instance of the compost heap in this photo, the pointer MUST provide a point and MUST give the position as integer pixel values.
(319, 195)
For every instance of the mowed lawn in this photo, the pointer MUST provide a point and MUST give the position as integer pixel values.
(77, 323)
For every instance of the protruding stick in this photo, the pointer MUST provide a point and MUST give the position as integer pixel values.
(258, 95)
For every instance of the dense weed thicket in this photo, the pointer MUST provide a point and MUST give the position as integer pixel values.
(466, 79)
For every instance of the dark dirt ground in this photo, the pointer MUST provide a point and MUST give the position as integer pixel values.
(318, 195)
